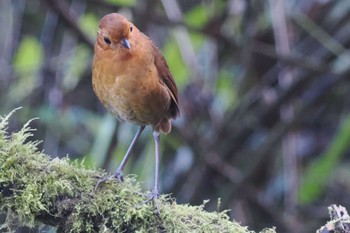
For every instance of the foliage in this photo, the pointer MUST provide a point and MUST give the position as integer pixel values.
(264, 96)
(319, 173)
(61, 193)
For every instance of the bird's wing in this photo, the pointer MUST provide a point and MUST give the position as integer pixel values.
(167, 78)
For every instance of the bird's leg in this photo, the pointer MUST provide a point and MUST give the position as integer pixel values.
(119, 172)
(154, 195)
(156, 175)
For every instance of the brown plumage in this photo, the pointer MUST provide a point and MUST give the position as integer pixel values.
(132, 80)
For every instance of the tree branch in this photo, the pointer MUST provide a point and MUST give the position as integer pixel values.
(61, 193)
(61, 8)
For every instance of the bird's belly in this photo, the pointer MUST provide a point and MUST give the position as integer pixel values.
(133, 99)
(112, 98)
(121, 108)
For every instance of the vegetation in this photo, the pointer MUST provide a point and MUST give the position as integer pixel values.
(62, 193)
(264, 94)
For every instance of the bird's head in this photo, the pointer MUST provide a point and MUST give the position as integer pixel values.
(114, 32)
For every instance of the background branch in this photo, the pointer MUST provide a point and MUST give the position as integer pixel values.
(227, 59)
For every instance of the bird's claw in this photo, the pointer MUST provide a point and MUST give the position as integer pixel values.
(152, 197)
(102, 180)
(118, 175)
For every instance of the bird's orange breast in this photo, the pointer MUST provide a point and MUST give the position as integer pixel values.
(130, 89)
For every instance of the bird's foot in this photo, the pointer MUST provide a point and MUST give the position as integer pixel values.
(153, 197)
(102, 180)
(118, 175)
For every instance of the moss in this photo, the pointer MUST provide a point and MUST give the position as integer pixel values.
(59, 192)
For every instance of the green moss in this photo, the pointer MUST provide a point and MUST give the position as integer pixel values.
(59, 192)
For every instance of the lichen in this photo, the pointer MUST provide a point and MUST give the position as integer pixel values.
(59, 192)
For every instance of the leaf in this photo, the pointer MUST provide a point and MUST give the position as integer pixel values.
(122, 2)
(103, 139)
(89, 24)
(76, 66)
(318, 174)
(176, 64)
(226, 90)
(29, 56)
(197, 17)
(27, 62)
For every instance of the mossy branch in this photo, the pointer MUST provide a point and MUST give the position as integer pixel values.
(59, 192)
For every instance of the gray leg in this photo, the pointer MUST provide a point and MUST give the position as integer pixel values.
(156, 140)
(154, 195)
(119, 172)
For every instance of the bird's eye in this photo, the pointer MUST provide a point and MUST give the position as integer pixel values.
(108, 41)
(130, 29)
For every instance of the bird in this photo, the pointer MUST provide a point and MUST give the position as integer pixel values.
(133, 81)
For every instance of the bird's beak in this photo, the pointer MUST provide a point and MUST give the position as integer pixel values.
(126, 43)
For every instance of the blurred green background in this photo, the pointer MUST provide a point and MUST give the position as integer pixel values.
(264, 93)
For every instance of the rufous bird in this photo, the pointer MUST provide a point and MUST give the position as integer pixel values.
(132, 80)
